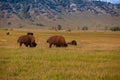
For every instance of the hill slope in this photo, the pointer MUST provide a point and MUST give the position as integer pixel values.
(50, 13)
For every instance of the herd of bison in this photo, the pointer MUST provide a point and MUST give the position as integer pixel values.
(57, 40)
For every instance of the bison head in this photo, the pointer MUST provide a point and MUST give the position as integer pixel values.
(65, 45)
(33, 44)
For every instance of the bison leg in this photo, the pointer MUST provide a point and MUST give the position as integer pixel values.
(21, 44)
(34, 44)
(50, 45)
(31, 45)
(57, 45)
(26, 44)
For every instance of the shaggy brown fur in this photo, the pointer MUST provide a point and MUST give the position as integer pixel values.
(27, 40)
(8, 33)
(58, 41)
(73, 42)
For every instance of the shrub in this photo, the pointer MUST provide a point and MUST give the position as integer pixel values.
(59, 27)
(84, 28)
(115, 28)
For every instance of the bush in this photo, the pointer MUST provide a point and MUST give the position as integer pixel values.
(59, 27)
(9, 23)
(115, 28)
(84, 28)
(39, 24)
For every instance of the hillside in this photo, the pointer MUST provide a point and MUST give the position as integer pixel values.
(46, 14)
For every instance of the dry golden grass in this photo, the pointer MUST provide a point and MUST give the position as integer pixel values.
(96, 57)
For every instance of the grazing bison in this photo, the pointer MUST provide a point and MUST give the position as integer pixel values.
(29, 33)
(27, 40)
(73, 42)
(58, 41)
(8, 33)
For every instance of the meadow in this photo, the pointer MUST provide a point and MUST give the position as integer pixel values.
(96, 57)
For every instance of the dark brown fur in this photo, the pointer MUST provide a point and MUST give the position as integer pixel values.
(27, 40)
(73, 42)
(8, 33)
(58, 41)
(29, 33)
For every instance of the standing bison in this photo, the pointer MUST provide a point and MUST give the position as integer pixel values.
(27, 40)
(58, 41)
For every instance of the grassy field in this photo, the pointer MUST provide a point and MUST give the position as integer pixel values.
(96, 57)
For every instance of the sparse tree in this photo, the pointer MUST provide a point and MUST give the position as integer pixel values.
(85, 28)
(115, 28)
(9, 23)
(59, 27)
(21, 26)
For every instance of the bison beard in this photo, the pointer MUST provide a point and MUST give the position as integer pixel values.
(57, 41)
(27, 40)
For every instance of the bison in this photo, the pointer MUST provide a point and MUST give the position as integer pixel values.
(58, 41)
(73, 42)
(7, 33)
(29, 33)
(27, 40)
